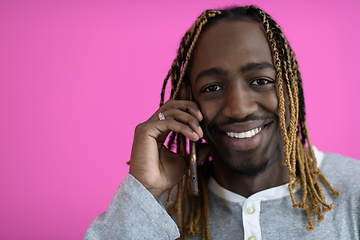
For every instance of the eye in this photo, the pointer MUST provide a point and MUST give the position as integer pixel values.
(260, 81)
(212, 88)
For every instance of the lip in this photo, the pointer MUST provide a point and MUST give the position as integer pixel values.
(246, 134)
(247, 143)
(239, 127)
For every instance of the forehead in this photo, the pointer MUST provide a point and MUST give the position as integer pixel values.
(229, 45)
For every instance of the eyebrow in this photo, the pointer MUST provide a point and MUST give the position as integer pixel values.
(211, 72)
(244, 69)
(256, 66)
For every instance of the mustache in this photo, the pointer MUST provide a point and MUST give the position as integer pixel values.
(253, 117)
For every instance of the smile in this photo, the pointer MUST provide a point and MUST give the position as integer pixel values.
(247, 134)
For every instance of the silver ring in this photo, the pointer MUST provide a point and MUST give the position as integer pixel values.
(161, 116)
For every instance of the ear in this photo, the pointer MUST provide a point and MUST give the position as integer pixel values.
(184, 92)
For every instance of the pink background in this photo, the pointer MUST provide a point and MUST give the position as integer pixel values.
(76, 77)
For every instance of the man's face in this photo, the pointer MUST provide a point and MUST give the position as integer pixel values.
(233, 80)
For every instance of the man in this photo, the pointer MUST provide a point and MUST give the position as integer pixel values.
(239, 70)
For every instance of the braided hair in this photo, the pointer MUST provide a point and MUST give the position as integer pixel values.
(302, 164)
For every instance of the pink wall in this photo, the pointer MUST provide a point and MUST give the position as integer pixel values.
(76, 77)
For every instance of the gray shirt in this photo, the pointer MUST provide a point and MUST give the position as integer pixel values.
(135, 214)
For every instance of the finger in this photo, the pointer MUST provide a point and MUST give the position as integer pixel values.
(189, 107)
(160, 129)
(183, 105)
(184, 118)
(179, 164)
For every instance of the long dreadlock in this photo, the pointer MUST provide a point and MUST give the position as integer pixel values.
(302, 164)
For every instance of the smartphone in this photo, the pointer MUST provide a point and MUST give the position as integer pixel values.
(193, 163)
(193, 169)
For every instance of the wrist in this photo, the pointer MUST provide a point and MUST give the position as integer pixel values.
(156, 192)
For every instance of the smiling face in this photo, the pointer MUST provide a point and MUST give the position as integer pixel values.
(233, 80)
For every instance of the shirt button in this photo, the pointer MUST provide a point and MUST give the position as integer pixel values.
(252, 238)
(250, 210)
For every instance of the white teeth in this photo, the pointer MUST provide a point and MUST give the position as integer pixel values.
(246, 134)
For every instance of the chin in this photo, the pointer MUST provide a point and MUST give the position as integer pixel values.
(247, 169)
(246, 165)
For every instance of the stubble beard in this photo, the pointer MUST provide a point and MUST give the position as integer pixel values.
(248, 169)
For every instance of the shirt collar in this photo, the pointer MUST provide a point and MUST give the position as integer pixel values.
(267, 194)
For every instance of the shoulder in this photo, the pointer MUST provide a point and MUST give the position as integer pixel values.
(341, 171)
(339, 164)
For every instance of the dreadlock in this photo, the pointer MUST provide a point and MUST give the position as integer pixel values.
(302, 165)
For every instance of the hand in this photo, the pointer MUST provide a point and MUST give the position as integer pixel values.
(151, 163)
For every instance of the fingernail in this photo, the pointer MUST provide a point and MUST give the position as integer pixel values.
(200, 115)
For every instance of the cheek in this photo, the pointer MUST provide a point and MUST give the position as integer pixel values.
(271, 102)
(209, 112)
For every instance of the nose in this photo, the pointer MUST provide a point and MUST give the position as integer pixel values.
(239, 102)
